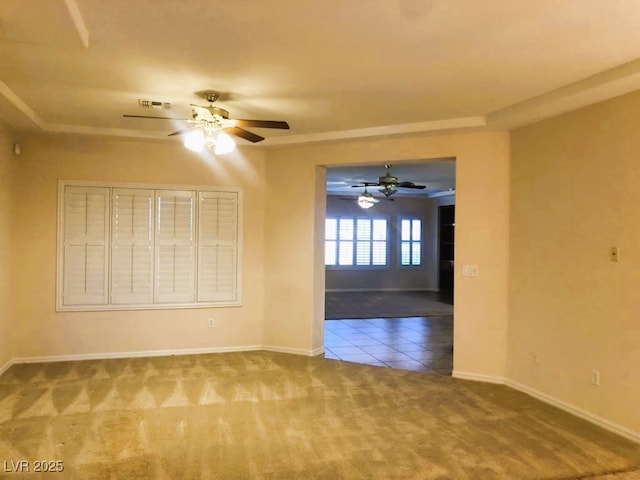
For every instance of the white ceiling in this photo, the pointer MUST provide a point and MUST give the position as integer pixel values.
(332, 69)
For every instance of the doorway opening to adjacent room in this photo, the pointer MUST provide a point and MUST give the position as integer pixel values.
(389, 244)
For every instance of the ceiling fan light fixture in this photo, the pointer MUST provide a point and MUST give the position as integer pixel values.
(195, 141)
(366, 200)
(200, 138)
(223, 144)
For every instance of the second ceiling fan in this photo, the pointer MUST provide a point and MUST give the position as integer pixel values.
(389, 184)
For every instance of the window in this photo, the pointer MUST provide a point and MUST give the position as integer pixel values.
(410, 242)
(147, 247)
(355, 242)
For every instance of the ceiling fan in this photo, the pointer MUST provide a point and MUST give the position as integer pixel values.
(210, 126)
(389, 184)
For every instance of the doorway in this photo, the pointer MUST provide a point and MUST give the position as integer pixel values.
(393, 313)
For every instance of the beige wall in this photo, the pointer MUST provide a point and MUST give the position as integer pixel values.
(41, 331)
(575, 183)
(7, 321)
(293, 317)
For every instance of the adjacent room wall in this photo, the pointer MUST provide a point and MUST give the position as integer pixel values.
(292, 316)
(7, 321)
(392, 277)
(575, 193)
(42, 332)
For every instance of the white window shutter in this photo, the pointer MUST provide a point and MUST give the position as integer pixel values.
(218, 247)
(132, 246)
(85, 255)
(175, 244)
(124, 246)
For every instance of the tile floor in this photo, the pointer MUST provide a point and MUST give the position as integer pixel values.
(414, 343)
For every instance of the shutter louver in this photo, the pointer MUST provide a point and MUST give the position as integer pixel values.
(175, 247)
(217, 247)
(85, 259)
(132, 247)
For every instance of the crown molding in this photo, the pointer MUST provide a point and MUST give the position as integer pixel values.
(406, 128)
(596, 88)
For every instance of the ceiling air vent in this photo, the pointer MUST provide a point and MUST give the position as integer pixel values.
(153, 104)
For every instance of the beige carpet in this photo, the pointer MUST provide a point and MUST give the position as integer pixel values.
(260, 415)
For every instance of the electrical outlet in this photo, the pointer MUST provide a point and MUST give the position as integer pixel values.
(614, 254)
(595, 377)
(535, 357)
(211, 323)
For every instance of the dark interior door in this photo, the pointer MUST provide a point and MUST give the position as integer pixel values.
(446, 242)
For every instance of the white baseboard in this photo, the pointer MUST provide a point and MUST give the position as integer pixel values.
(567, 407)
(161, 353)
(578, 412)
(477, 377)
(295, 351)
(6, 366)
(144, 353)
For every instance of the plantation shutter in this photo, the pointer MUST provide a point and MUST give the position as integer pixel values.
(85, 254)
(132, 246)
(379, 247)
(218, 247)
(175, 236)
(363, 241)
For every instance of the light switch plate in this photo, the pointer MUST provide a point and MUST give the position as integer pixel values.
(470, 271)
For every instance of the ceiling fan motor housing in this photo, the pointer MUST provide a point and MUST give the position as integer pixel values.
(388, 179)
(209, 95)
(388, 189)
(218, 111)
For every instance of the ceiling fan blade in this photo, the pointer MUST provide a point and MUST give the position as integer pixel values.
(366, 184)
(180, 132)
(411, 185)
(262, 124)
(240, 132)
(157, 118)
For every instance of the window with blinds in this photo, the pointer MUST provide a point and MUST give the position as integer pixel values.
(410, 242)
(355, 242)
(147, 247)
